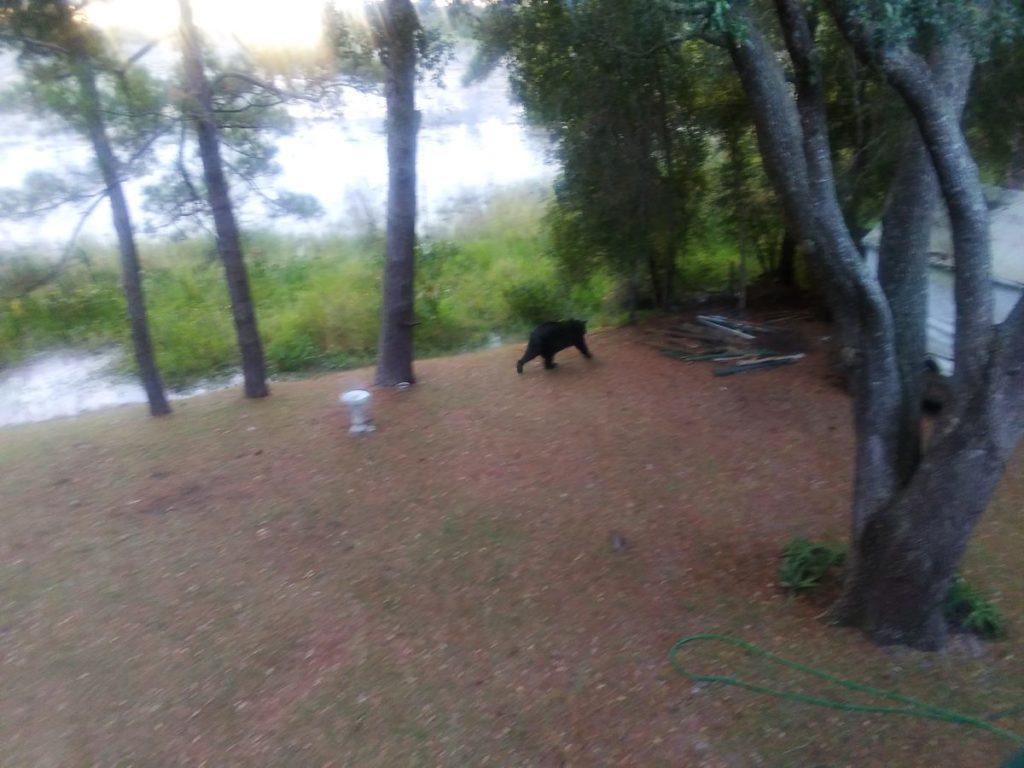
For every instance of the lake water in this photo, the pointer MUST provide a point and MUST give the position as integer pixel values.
(473, 141)
(64, 383)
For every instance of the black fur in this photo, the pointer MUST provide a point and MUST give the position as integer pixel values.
(549, 338)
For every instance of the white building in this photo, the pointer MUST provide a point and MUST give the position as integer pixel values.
(1006, 222)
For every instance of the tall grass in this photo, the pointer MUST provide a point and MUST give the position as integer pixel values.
(489, 273)
(317, 298)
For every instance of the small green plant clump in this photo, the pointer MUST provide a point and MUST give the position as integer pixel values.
(805, 565)
(966, 608)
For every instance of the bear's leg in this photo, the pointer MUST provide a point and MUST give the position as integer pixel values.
(528, 355)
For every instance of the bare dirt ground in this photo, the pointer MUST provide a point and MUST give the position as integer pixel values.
(246, 584)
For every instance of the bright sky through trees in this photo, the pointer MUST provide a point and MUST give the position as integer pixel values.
(296, 24)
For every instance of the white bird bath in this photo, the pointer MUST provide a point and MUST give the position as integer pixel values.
(358, 402)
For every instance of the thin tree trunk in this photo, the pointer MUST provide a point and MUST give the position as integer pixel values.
(794, 146)
(743, 236)
(131, 278)
(394, 365)
(741, 299)
(675, 211)
(652, 268)
(676, 237)
(228, 240)
(633, 286)
(787, 260)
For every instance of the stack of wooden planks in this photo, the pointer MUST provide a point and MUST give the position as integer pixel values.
(740, 346)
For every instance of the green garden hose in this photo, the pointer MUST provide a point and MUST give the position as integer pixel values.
(912, 707)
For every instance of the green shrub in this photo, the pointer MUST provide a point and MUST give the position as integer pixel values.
(804, 564)
(966, 608)
(84, 308)
(535, 301)
(290, 354)
(193, 332)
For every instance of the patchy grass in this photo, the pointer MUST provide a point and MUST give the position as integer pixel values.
(243, 583)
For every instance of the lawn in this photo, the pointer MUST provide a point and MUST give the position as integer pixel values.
(246, 584)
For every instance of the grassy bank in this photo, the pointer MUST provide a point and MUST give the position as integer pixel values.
(490, 273)
(317, 298)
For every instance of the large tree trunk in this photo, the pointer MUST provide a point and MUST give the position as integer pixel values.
(911, 518)
(909, 553)
(394, 365)
(907, 556)
(787, 260)
(131, 278)
(228, 241)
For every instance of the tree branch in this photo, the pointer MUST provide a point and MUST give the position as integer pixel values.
(144, 147)
(811, 106)
(130, 61)
(251, 183)
(283, 94)
(15, 214)
(238, 149)
(668, 42)
(182, 169)
(68, 250)
(34, 45)
(800, 169)
(247, 107)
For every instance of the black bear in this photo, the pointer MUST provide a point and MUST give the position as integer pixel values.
(550, 338)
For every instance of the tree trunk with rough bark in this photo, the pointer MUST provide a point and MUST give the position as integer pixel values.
(786, 269)
(394, 364)
(228, 240)
(907, 556)
(913, 511)
(131, 277)
(909, 551)
(903, 252)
